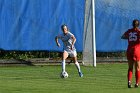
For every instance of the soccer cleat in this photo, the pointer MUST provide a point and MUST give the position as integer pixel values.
(80, 74)
(136, 85)
(129, 85)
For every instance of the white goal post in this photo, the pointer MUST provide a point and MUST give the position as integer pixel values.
(89, 42)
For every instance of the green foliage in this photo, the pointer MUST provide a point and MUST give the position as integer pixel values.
(111, 54)
(31, 54)
(47, 54)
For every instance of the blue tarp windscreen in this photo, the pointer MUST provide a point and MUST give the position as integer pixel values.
(33, 24)
(113, 18)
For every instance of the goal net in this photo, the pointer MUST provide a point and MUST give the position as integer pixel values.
(89, 49)
(113, 18)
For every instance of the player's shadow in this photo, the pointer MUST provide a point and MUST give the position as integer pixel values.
(22, 61)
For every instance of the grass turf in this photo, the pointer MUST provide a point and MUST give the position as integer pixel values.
(105, 78)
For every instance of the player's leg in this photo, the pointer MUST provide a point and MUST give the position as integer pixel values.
(73, 54)
(130, 58)
(137, 66)
(130, 72)
(65, 55)
(77, 66)
(137, 72)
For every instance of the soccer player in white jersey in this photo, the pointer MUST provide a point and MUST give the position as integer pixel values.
(68, 40)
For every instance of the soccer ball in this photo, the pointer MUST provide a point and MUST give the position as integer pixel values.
(64, 74)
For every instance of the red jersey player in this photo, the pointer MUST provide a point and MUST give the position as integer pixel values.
(133, 52)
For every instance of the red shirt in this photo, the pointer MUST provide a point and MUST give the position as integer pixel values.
(133, 36)
(133, 50)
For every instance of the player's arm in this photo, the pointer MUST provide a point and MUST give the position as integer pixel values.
(56, 40)
(73, 41)
(139, 35)
(124, 36)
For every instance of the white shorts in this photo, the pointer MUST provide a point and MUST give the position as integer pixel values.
(71, 53)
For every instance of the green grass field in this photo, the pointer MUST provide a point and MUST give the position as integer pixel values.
(105, 78)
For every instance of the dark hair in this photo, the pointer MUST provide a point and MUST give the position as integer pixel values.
(62, 27)
(134, 23)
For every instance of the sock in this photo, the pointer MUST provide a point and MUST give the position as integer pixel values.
(63, 66)
(129, 75)
(137, 76)
(78, 66)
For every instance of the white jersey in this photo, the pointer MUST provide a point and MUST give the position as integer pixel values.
(67, 40)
